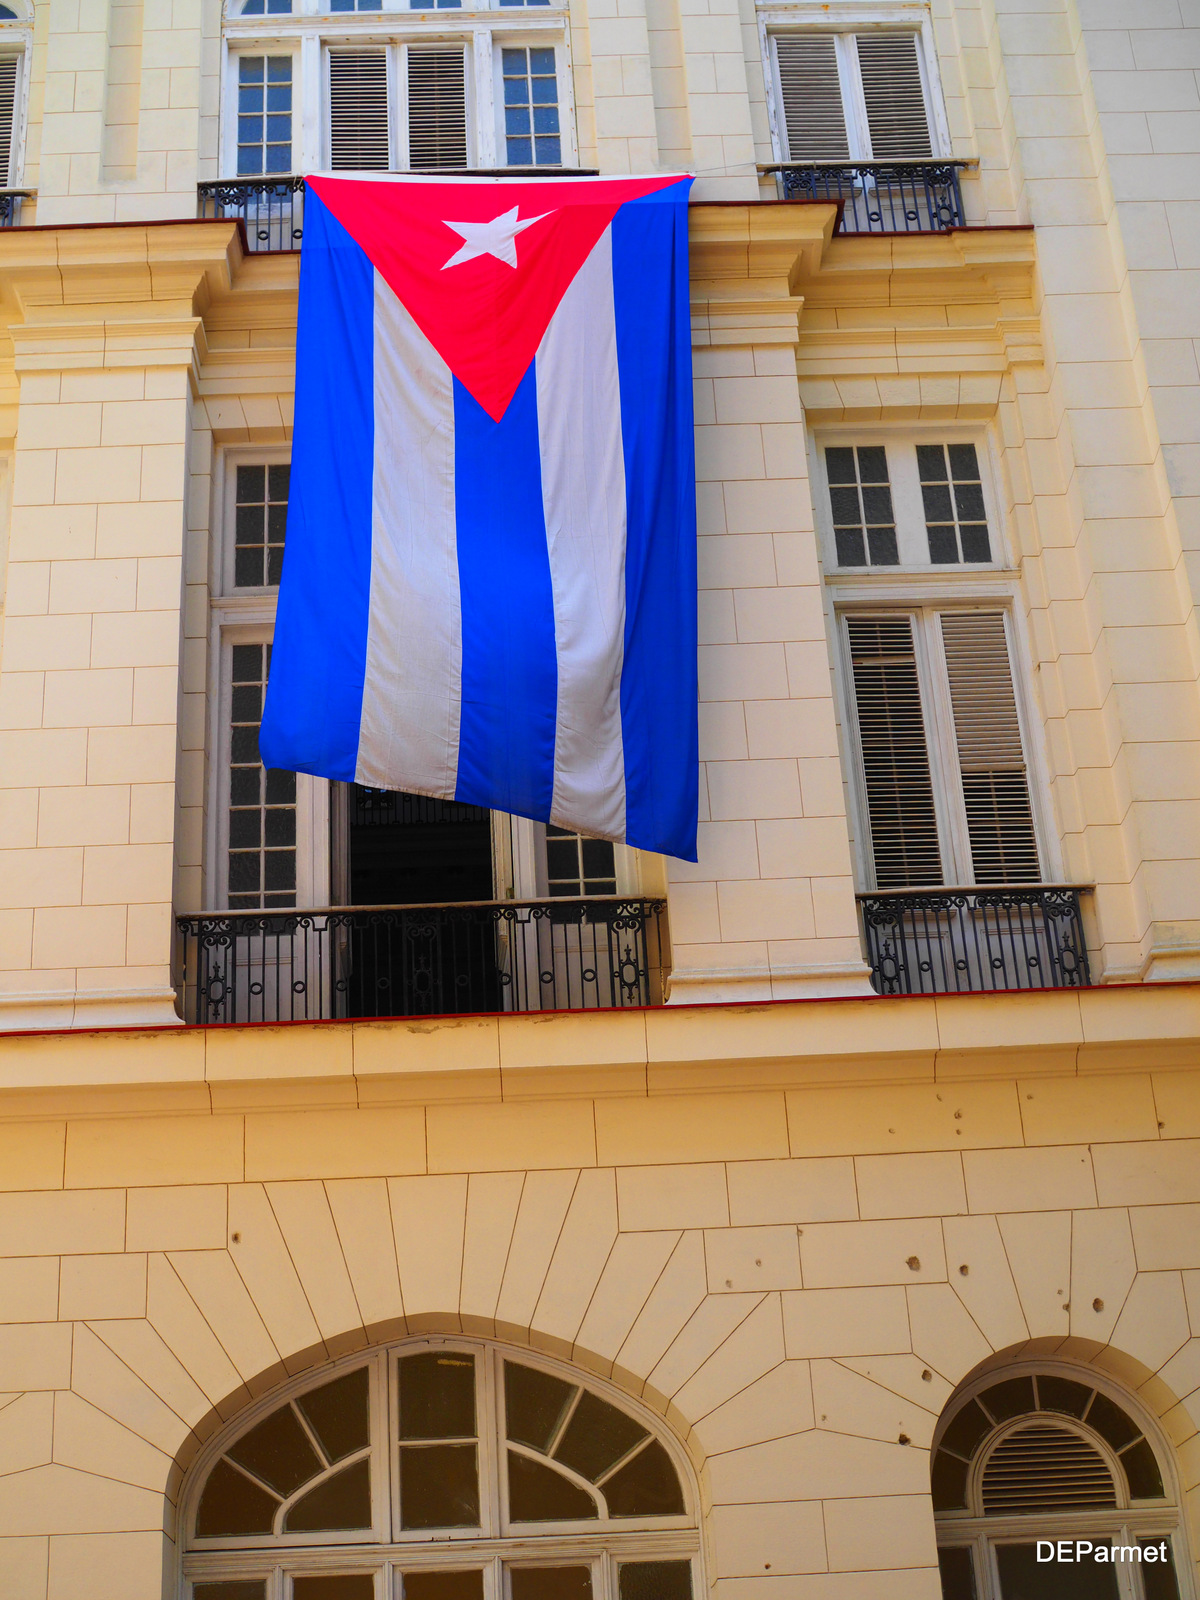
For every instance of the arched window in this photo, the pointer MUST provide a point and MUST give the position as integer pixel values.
(1024, 1461)
(441, 1470)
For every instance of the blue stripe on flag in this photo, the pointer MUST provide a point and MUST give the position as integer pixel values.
(314, 699)
(509, 666)
(658, 682)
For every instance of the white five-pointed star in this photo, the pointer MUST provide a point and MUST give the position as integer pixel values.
(495, 238)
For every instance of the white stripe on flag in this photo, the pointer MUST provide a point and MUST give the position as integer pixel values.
(410, 712)
(583, 492)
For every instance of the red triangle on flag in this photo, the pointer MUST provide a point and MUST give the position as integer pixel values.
(482, 293)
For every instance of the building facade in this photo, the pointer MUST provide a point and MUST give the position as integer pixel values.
(546, 1220)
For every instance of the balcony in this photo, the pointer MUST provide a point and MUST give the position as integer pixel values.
(973, 941)
(11, 203)
(355, 962)
(879, 196)
(272, 209)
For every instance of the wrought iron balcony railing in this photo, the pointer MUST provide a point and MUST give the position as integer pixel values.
(879, 196)
(273, 208)
(10, 205)
(421, 961)
(957, 941)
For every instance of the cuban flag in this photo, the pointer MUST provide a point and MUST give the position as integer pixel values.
(489, 590)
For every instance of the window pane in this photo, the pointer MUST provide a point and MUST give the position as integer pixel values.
(1063, 1394)
(536, 1493)
(656, 1580)
(443, 1586)
(1141, 1469)
(339, 1586)
(1023, 1577)
(957, 1569)
(240, 1589)
(530, 86)
(647, 1486)
(1012, 1398)
(948, 1482)
(260, 515)
(337, 1413)
(277, 1451)
(439, 1486)
(551, 1583)
(1110, 1422)
(597, 1436)
(952, 495)
(860, 502)
(1158, 1577)
(342, 1502)
(437, 1396)
(264, 148)
(533, 1404)
(232, 1505)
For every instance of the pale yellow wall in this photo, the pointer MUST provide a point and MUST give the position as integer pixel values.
(734, 1243)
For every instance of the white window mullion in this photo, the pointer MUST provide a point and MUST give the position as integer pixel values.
(309, 109)
(854, 108)
(939, 724)
(486, 79)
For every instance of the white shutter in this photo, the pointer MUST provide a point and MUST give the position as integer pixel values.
(891, 82)
(358, 111)
(8, 103)
(1045, 1468)
(991, 762)
(437, 109)
(814, 121)
(891, 730)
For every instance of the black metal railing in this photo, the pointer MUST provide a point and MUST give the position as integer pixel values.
(959, 941)
(422, 961)
(10, 205)
(273, 208)
(879, 196)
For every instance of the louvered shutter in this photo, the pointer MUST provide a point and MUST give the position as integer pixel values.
(991, 762)
(358, 111)
(8, 104)
(437, 109)
(891, 730)
(1045, 1468)
(814, 121)
(891, 82)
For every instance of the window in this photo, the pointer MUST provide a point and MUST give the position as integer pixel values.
(481, 97)
(579, 866)
(427, 1472)
(262, 804)
(531, 130)
(264, 115)
(260, 522)
(437, 127)
(907, 505)
(852, 97)
(943, 772)
(1049, 1455)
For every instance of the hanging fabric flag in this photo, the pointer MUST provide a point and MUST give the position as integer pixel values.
(489, 588)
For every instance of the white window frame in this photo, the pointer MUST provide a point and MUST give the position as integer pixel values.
(264, 44)
(312, 35)
(1124, 1525)
(532, 39)
(907, 504)
(16, 41)
(598, 1544)
(247, 616)
(845, 21)
(923, 604)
